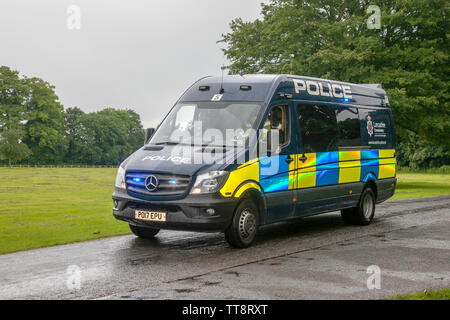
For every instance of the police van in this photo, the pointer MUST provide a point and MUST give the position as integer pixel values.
(294, 146)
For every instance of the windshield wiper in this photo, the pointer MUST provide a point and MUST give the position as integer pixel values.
(175, 143)
(169, 143)
(219, 146)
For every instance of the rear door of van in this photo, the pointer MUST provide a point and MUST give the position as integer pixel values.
(378, 134)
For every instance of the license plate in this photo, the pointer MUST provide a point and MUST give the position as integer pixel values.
(150, 215)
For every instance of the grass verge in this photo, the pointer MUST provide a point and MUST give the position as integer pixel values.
(443, 294)
(42, 207)
(421, 184)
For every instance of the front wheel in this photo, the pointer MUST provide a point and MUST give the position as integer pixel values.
(364, 212)
(144, 232)
(243, 228)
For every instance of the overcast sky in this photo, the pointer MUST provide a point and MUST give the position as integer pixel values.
(126, 54)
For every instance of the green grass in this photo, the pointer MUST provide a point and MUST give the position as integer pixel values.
(443, 294)
(421, 184)
(42, 207)
(441, 170)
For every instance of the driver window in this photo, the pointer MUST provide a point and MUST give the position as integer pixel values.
(277, 119)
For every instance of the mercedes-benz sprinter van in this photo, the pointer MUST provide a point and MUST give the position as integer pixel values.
(239, 152)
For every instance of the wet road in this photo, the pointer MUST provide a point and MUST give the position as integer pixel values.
(314, 258)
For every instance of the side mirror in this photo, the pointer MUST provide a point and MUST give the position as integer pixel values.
(148, 134)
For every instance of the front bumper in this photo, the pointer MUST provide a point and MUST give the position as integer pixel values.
(187, 214)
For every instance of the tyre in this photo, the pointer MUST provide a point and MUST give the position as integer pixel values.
(364, 212)
(144, 232)
(243, 228)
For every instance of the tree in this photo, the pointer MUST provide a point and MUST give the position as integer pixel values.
(104, 137)
(116, 132)
(33, 122)
(44, 123)
(73, 127)
(11, 146)
(30, 112)
(408, 55)
(13, 94)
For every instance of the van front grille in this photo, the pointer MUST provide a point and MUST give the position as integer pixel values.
(166, 184)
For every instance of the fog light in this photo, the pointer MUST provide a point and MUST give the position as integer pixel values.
(210, 211)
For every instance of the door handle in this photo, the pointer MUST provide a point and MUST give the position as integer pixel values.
(289, 159)
(303, 159)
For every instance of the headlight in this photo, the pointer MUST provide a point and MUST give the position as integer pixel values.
(209, 182)
(120, 178)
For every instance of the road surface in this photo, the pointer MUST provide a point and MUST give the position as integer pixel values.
(314, 258)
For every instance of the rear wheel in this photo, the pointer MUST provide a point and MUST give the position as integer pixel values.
(364, 212)
(144, 232)
(243, 228)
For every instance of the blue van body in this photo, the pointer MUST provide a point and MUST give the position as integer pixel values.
(312, 177)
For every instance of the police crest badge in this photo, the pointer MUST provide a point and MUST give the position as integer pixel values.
(369, 126)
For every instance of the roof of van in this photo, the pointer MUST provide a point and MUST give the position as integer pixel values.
(268, 87)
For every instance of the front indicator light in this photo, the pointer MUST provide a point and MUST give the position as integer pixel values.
(120, 178)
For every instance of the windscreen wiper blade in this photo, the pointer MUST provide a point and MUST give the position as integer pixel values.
(169, 143)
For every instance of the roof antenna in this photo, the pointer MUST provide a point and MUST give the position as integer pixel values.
(221, 84)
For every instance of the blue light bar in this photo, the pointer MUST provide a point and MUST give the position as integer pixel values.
(137, 179)
(173, 181)
(346, 99)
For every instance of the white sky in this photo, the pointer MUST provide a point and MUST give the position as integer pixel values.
(128, 54)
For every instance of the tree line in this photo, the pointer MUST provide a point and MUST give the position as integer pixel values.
(408, 53)
(36, 129)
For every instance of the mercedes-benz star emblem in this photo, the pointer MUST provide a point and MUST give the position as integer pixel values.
(151, 183)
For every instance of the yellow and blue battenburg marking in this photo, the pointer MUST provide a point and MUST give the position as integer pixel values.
(271, 174)
(245, 173)
(282, 179)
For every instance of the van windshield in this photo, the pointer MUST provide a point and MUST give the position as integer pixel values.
(208, 123)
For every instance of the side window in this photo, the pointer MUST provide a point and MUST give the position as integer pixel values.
(349, 127)
(376, 128)
(318, 127)
(278, 119)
